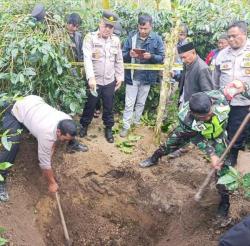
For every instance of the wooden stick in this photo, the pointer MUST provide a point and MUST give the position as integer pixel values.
(65, 230)
(206, 182)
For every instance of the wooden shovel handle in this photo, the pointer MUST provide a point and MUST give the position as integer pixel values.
(65, 230)
(210, 175)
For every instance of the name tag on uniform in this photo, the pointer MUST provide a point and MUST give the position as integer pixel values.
(226, 66)
(96, 54)
(247, 55)
(245, 63)
(247, 71)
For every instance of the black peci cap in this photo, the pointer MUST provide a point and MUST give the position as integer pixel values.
(185, 48)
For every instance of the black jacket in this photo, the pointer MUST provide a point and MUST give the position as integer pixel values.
(195, 78)
(238, 235)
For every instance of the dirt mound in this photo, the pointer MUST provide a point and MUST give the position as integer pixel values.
(108, 200)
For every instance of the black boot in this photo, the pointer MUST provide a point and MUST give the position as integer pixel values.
(232, 157)
(75, 146)
(83, 131)
(153, 160)
(109, 134)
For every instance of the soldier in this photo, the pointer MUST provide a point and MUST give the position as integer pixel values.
(233, 63)
(104, 71)
(203, 121)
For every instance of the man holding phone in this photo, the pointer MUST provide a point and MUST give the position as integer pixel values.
(142, 47)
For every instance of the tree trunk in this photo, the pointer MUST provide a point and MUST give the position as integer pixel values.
(170, 41)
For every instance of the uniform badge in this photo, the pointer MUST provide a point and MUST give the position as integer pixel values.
(96, 54)
(247, 71)
(226, 66)
(247, 55)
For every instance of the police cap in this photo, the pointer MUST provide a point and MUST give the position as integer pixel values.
(109, 17)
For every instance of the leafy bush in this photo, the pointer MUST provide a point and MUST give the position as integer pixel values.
(35, 59)
(233, 180)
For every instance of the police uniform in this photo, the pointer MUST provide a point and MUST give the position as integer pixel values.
(233, 64)
(103, 61)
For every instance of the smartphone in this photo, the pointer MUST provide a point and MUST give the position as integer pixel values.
(139, 51)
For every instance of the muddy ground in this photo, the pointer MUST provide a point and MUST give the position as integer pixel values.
(108, 200)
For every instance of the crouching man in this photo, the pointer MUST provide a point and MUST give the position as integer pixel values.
(202, 121)
(47, 125)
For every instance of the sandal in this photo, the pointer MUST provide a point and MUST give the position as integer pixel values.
(97, 113)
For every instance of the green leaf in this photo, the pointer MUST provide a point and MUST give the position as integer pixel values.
(6, 144)
(246, 180)
(226, 179)
(4, 76)
(128, 144)
(21, 78)
(59, 69)
(2, 230)
(30, 71)
(134, 138)
(232, 186)
(126, 150)
(1, 178)
(3, 241)
(233, 171)
(5, 165)
(14, 53)
(73, 106)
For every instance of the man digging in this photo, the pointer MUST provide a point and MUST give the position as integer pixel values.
(203, 121)
(47, 125)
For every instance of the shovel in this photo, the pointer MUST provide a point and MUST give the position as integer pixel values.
(65, 230)
(206, 182)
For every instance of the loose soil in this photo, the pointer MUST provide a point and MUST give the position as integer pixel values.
(108, 200)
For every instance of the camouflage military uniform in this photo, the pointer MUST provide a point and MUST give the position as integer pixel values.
(202, 134)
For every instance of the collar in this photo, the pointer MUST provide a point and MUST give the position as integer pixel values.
(188, 66)
(99, 35)
(241, 50)
(149, 36)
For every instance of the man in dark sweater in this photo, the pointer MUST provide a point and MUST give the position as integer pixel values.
(196, 76)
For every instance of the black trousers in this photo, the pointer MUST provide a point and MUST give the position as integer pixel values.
(106, 94)
(236, 116)
(9, 122)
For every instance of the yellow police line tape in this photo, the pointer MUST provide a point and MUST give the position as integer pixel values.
(157, 67)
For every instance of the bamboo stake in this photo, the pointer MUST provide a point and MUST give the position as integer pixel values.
(105, 4)
(170, 41)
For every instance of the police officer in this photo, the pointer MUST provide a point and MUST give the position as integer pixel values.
(104, 71)
(202, 121)
(233, 63)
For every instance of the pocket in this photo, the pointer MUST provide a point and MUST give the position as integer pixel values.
(113, 53)
(97, 52)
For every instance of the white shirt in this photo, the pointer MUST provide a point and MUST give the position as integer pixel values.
(41, 120)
